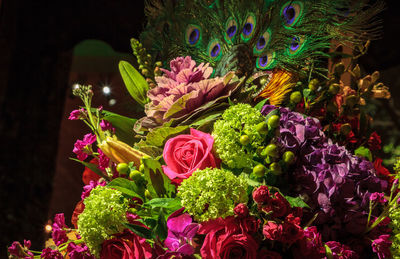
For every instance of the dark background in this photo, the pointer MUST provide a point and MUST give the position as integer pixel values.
(36, 43)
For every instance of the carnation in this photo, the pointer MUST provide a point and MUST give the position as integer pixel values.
(103, 216)
(212, 193)
(236, 121)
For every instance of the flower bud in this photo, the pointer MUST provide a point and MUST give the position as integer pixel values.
(241, 210)
(244, 140)
(259, 170)
(271, 150)
(262, 128)
(123, 168)
(334, 89)
(261, 194)
(295, 97)
(313, 84)
(288, 157)
(273, 121)
(275, 168)
(135, 175)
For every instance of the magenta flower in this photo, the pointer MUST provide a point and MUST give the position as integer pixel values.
(104, 161)
(377, 197)
(76, 114)
(79, 251)
(48, 253)
(106, 125)
(381, 246)
(80, 146)
(19, 251)
(182, 90)
(181, 231)
(340, 251)
(59, 235)
(88, 188)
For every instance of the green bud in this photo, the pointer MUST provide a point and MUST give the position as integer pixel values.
(244, 140)
(145, 72)
(273, 121)
(259, 170)
(275, 168)
(295, 97)
(147, 194)
(334, 89)
(132, 210)
(262, 128)
(135, 175)
(141, 168)
(158, 64)
(271, 150)
(123, 168)
(288, 157)
(313, 84)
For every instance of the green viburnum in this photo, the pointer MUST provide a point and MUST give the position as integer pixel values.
(238, 120)
(212, 193)
(104, 215)
(394, 215)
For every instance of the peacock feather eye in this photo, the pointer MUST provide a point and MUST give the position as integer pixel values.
(266, 61)
(295, 45)
(193, 35)
(214, 49)
(248, 27)
(262, 42)
(231, 29)
(291, 13)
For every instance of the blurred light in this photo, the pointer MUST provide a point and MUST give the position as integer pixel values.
(75, 86)
(112, 102)
(106, 90)
(48, 228)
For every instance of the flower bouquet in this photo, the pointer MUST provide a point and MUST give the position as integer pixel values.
(219, 169)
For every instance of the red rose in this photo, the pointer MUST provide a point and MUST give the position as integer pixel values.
(261, 195)
(241, 210)
(125, 246)
(279, 206)
(88, 175)
(292, 230)
(273, 231)
(184, 154)
(225, 239)
(374, 141)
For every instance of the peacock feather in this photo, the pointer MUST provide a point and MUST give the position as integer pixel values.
(257, 35)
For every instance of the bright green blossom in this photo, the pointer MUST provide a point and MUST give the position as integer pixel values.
(238, 120)
(104, 215)
(212, 193)
(394, 215)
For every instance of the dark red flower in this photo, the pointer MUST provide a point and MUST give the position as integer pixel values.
(241, 210)
(88, 175)
(261, 195)
(267, 254)
(279, 206)
(273, 231)
(374, 141)
(78, 210)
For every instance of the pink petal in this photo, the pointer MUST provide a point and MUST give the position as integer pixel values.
(178, 224)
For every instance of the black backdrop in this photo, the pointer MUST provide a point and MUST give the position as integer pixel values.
(36, 42)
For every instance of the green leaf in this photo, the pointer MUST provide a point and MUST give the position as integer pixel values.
(306, 92)
(167, 203)
(206, 119)
(91, 166)
(363, 152)
(134, 82)
(159, 184)
(127, 187)
(139, 230)
(123, 126)
(261, 104)
(296, 202)
(161, 229)
(159, 136)
(328, 251)
(180, 104)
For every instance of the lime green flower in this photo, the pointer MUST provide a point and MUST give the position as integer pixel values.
(238, 120)
(104, 215)
(212, 193)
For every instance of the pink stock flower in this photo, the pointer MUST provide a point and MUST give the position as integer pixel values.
(106, 125)
(49, 253)
(381, 246)
(104, 161)
(80, 146)
(77, 114)
(377, 197)
(182, 90)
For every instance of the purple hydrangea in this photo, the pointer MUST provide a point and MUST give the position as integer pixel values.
(337, 184)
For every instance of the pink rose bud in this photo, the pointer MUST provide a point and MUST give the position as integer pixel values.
(241, 210)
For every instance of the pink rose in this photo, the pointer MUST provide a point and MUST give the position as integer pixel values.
(184, 154)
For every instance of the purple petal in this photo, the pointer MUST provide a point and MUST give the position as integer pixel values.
(178, 224)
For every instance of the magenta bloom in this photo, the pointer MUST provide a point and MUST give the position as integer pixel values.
(59, 235)
(106, 125)
(77, 114)
(79, 251)
(88, 188)
(182, 90)
(381, 246)
(340, 251)
(48, 253)
(377, 197)
(16, 249)
(104, 161)
(181, 231)
(80, 146)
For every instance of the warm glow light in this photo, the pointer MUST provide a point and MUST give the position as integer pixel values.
(75, 86)
(48, 228)
(112, 102)
(106, 90)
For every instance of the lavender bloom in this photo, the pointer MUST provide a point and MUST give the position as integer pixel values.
(181, 231)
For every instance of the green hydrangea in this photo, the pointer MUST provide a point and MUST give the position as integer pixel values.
(104, 215)
(236, 121)
(394, 215)
(212, 193)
